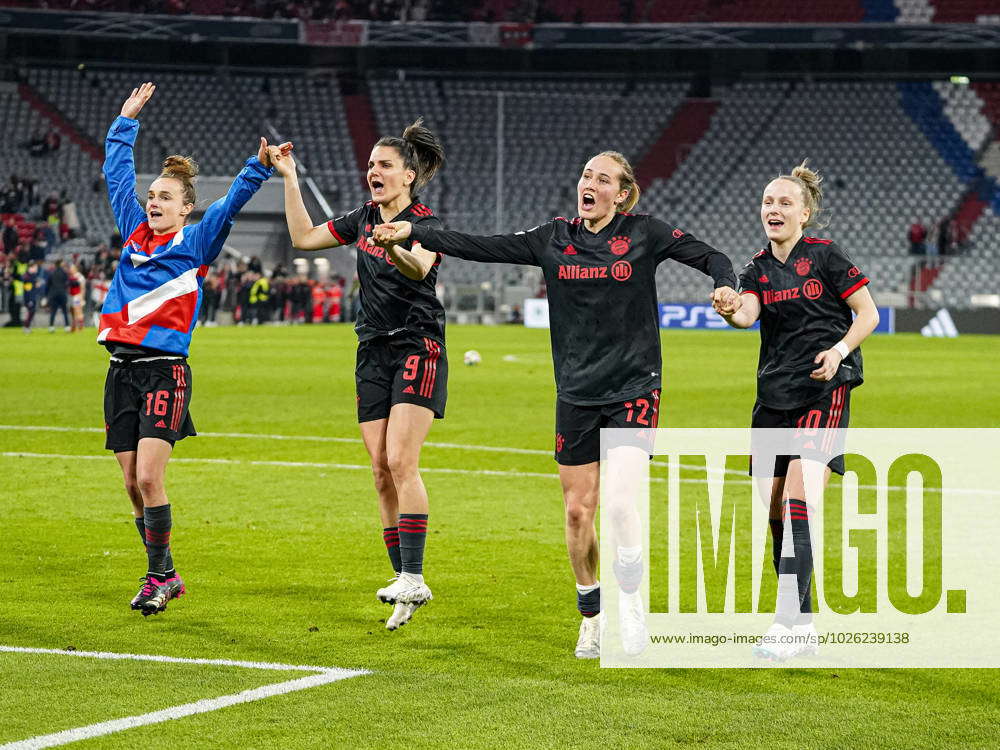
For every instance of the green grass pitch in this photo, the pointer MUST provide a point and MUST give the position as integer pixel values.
(282, 561)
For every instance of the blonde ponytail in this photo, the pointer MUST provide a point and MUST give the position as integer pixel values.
(625, 182)
(809, 182)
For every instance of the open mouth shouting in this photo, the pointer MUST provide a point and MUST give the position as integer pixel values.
(587, 201)
(377, 187)
(775, 223)
(155, 213)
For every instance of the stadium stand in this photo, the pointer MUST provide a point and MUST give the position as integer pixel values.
(731, 145)
(543, 149)
(575, 11)
(71, 168)
(850, 132)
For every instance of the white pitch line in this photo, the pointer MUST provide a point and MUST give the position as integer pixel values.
(289, 464)
(467, 472)
(303, 438)
(365, 467)
(322, 676)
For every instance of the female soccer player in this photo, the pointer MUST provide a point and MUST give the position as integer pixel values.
(149, 313)
(402, 367)
(599, 269)
(803, 290)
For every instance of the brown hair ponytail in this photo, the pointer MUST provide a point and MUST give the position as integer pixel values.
(184, 169)
(421, 151)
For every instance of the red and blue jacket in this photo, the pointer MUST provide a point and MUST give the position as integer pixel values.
(155, 294)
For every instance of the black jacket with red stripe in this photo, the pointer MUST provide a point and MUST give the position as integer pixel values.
(803, 312)
(390, 302)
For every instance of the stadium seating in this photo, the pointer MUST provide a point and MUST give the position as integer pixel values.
(852, 132)
(891, 153)
(543, 148)
(70, 168)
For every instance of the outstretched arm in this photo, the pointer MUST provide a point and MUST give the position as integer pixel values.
(210, 233)
(305, 236)
(522, 248)
(119, 162)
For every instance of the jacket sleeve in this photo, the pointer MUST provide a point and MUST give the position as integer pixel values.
(211, 232)
(119, 173)
(521, 248)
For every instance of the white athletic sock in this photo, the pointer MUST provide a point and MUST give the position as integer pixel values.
(418, 577)
(581, 589)
(629, 555)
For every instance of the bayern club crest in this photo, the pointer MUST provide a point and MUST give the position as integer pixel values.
(803, 266)
(620, 244)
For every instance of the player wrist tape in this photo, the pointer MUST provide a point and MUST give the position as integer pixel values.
(841, 347)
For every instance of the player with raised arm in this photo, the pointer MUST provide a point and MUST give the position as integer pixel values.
(402, 366)
(146, 323)
(600, 273)
(804, 291)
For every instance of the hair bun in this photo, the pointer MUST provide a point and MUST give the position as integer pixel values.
(808, 176)
(181, 167)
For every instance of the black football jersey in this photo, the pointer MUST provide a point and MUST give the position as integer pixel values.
(390, 302)
(603, 312)
(803, 312)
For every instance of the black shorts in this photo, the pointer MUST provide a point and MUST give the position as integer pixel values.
(146, 400)
(811, 422)
(578, 428)
(400, 370)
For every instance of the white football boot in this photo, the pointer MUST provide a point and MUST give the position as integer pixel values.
(401, 614)
(632, 623)
(588, 645)
(775, 645)
(806, 640)
(405, 588)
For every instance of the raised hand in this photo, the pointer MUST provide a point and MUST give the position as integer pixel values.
(387, 235)
(829, 362)
(137, 99)
(281, 159)
(264, 152)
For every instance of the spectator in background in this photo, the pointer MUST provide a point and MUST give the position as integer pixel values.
(77, 282)
(11, 237)
(318, 302)
(17, 266)
(210, 298)
(53, 140)
(39, 246)
(56, 290)
(918, 238)
(279, 293)
(31, 284)
(52, 214)
(334, 297)
(300, 294)
(102, 260)
(70, 226)
(260, 299)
